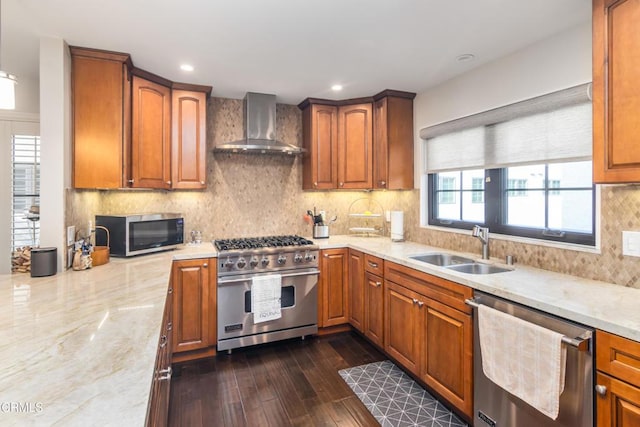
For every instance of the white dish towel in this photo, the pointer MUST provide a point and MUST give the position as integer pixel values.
(266, 292)
(524, 359)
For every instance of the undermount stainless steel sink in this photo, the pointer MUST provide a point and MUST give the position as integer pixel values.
(442, 259)
(478, 268)
(459, 263)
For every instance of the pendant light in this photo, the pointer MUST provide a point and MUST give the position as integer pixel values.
(7, 81)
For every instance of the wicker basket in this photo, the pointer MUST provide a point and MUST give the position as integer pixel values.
(100, 254)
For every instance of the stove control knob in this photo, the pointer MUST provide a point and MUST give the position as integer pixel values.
(241, 263)
(297, 258)
(282, 259)
(264, 261)
(228, 263)
(308, 257)
(254, 262)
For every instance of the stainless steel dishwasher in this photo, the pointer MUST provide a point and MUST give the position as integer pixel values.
(494, 406)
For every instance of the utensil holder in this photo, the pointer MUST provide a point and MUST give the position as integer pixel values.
(320, 231)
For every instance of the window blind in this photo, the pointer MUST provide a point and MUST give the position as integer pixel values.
(550, 128)
(25, 224)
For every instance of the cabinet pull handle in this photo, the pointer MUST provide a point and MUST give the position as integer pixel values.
(601, 390)
(378, 284)
(205, 265)
(415, 301)
(383, 183)
(168, 182)
(201, 182)
(130, 181)
(170, 290)
(326, 256)
(163, 341)
(165, 374)
(315, 184)
(420, 303)
(373, 264)
(169, 326)
(341, 184)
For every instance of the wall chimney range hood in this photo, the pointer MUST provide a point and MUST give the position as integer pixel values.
(259, 129)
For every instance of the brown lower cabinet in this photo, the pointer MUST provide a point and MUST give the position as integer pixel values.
(374, 309)
(333, 300)
(429, 330)
(158, 409)
(617, 381)
(194, 308)
(356, 287)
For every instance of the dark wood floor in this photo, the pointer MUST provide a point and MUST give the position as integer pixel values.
(290, 383)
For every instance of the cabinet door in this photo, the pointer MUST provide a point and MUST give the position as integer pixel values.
(447, 364)
(150, 139)
(616, 91)
(402, 325)
(320, 139)
(620, 406)
(191, 305)
(334, 291)
(356, 290)
(188, 140)
(355, 146)
(374, 309)
(101, 91)
(393, 143)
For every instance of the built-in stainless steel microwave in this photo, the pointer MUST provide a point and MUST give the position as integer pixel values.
(140, 234)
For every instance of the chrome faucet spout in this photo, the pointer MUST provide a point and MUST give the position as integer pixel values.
(482, 234)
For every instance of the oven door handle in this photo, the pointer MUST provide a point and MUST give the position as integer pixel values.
(224, 280)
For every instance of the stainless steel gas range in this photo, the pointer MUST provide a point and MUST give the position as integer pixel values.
(291, 260)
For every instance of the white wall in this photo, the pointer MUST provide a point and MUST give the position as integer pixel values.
(27, 95)
(55, 114)
(552, 64)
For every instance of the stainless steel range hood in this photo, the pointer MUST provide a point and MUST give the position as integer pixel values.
(259, 129)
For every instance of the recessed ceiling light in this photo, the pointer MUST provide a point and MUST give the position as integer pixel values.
(186, 67)
(336, 87)
(465, 57)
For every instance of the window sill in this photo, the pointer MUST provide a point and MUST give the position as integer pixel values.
(525, 240)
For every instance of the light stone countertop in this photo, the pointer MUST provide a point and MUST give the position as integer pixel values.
(79, 348)
(601, 305)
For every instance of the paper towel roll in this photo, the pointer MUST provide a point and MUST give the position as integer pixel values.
(397, 226)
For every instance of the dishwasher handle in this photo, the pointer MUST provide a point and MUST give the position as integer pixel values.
(581, 343)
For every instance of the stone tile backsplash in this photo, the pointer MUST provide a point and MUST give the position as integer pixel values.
(262, 194)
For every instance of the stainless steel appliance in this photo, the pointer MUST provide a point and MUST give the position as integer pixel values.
(142, 233)
(239, 261)
(494, 406)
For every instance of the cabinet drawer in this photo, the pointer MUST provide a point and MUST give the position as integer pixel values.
(619, 357)
(373, 264)
(438, 289)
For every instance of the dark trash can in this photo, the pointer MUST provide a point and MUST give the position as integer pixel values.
(44, 262)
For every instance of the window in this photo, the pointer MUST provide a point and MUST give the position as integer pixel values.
(523, 169)
(549, 201)
(25, 226)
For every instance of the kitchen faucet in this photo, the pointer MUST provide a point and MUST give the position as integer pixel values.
(482, 233)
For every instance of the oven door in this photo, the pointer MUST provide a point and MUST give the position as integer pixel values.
(299, 305)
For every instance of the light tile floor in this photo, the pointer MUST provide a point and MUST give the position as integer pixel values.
(394, 399)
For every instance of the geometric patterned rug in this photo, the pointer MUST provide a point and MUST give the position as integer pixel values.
(394, 399)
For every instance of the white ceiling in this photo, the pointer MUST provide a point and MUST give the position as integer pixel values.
(293, 48)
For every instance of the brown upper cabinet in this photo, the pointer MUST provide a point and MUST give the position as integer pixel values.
(616, 88)
(364, 143)
(101, 88)
(355, 146)
(393, 141)
(133, 128)
(151, 133)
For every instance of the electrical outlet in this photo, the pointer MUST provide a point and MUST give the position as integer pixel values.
(71, 235)
(631, 243)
